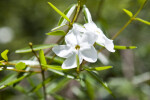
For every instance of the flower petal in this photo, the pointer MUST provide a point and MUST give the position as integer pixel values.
(70, 38)
(88, 38)
(79, 28)
(70, 62)
(62, 51)
(104, 41)
(91, 26)
(88, 14)
(89, 54)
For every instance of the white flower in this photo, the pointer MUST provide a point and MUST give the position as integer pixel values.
(102, 39)
(78, 42)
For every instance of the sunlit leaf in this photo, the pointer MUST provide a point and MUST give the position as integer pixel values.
(78, 64)
(20, 66)
(59, 12)
(35, 48)
(42, 57)
(58, 32)
(53, 67)
(1, 62)
(124, 47)
(129, 13)
(27, 62)
(143, 21)
(4, 55)
(97, 68)
(96, 77)
(68, 12)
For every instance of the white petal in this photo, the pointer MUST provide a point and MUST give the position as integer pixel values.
(88, 38)
(70, 62)
(70, 38)
(90, 26)
(89, 54)
(88, 14)
(109, 45)
(78, 28)
(104, 41)
(62, 51)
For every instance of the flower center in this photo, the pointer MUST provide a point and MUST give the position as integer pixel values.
(77, 47)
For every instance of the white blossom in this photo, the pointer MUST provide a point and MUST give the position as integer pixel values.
(78, 42)
(102, 39)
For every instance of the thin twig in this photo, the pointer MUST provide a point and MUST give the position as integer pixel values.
(42, 71)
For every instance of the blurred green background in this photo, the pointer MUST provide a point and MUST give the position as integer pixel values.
(24, 21)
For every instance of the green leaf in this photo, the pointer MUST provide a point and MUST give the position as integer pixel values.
(13, 80)
(68, 12)
(96, 77)
(78, 64)
(4, 55)
(90, 89)
(57, 85)
(1, 62)
(55, 67)
(97, 68)
(124, 47)
(36, 88)
(129, 13)
(42, 57)
(143, 21)
(20, 66)
(58, 32)
(59, 12)
(56, 59)
(35, 48)
(62, 74)
(58, 27)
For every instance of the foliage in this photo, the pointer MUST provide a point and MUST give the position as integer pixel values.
(86, 78)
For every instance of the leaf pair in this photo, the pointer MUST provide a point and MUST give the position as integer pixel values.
(130, 14)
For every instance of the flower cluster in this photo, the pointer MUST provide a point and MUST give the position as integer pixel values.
(79, 41)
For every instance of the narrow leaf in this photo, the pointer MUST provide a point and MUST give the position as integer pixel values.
(97, 68)
(56, 59)
(90, 89)
(35, 48)
(68, 12)
(42, 57)
(58, 32)
(55, 67)
(78, 64)
(15, 81)
(59, 12)
(129, 13)
(143, 21)
(20, 66)
(96, 77)
(58, 27)
(124, 47)
(62, 74)
(4, 55)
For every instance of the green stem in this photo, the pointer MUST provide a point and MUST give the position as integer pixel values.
(130, 20)
(42, 71)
